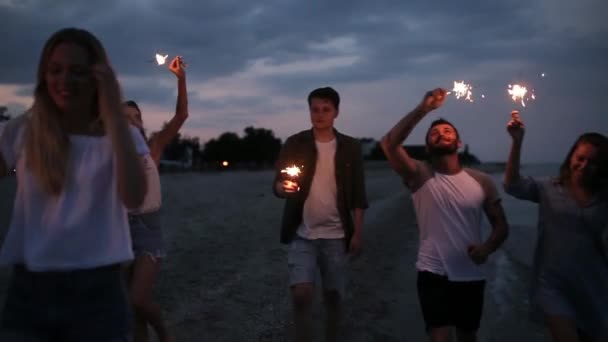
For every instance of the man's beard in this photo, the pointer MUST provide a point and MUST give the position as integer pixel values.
(440, 151)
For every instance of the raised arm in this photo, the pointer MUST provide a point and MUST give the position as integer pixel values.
(392, 142)
(163, 138)
(515, 127)
(129, 170)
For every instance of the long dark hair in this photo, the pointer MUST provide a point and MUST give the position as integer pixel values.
(600, 142)
(133, 104)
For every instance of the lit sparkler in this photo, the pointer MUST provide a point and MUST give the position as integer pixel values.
(160, 59)
(520, 93)
(463, 90)
(292, 171)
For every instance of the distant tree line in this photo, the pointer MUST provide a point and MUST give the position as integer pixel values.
(257, 148)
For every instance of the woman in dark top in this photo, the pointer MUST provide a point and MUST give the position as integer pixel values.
(570, 281)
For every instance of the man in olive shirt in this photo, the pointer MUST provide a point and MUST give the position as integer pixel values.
(323, 215)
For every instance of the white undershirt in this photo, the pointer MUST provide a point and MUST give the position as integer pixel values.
(320, 218)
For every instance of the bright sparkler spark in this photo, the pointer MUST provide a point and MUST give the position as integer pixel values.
(462, 89)
(292, 171)
(519, 93)
(160, 59)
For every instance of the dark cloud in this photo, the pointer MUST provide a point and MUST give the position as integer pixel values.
(421, 43)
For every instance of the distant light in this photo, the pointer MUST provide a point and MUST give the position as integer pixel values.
(225, 163)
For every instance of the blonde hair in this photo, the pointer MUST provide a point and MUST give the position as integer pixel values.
(47, 144)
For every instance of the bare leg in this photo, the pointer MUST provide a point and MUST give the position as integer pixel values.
(563, 329)
(144, 274)
(333, 309)
(302, 296)
(441, 334)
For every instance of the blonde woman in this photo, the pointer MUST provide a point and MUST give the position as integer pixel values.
(77, 170)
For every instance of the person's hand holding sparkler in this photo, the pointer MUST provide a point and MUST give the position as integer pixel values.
(515, 127)
(290, 183)
(177, 67)
(432, 100)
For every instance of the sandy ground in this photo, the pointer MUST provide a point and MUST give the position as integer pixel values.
(225, 278)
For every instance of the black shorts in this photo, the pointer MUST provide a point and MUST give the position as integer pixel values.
(450, 303)
(84, 305)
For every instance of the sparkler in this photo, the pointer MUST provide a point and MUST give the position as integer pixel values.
(520, 93)
(292, 171)
(160, 59)
(463, 90)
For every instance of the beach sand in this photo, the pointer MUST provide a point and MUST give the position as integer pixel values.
(225, 277)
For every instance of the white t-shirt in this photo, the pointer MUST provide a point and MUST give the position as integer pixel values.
(320, 217)
(85, 226)
(449, 211)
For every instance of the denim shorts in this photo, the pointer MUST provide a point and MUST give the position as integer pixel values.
(305, 257)
(82, 305)
(147, 235)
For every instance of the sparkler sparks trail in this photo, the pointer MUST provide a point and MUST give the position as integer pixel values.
(292, 171)
(160, 59)
(519, 93)
(462, 89)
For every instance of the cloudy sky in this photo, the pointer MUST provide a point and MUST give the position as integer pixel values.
(254, 62)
